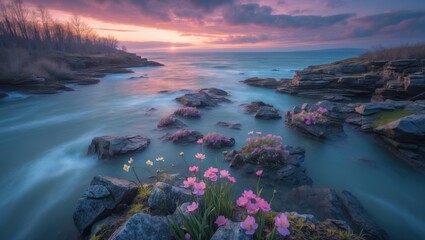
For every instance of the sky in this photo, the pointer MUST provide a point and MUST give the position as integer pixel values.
(246, 25)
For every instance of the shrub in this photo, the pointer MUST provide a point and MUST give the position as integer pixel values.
(188, 112)
(264, 150)
(217, 140)
(180, 134)
(310, 118)
(416, 51)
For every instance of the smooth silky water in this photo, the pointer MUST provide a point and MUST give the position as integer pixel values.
(44, 139)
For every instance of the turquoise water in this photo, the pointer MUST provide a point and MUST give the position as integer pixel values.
(44, 138)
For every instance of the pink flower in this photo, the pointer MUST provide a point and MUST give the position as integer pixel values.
(200, 156)
(211, 174)
(250, 132)
(252, 208)
(199, 188)
(249, 194)
(187, 236)
(242, 201)
(259, 172)
(192, 207)
(189, 182)
(221, 220)
(282, 224)
(231, 179)
(200, 141)
(249, 225)
(194, 169)
(224, 174)
(258, 133)
(263, 205)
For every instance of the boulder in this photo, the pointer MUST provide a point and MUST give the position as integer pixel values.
(100, 199)
(184, 136)
(327, 203)
(235, 158)
(267, 113)
(253, 107)
(220, 142)
(229, 125)
(170, 123)
(262, 82)
(373, 107)
(209, 97)
(230, 231)
(108, 147)
(144, 226)
(167, 197)
(407, 129)
(292, 176)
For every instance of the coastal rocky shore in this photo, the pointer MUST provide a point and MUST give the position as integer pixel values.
(67, 69)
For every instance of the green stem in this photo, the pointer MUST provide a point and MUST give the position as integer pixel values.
(135, 174)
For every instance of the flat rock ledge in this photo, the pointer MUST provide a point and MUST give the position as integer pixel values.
(107, 147)
(261, 110)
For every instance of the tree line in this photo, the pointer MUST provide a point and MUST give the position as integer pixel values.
(35, 29)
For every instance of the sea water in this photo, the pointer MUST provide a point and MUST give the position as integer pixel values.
(44, 139)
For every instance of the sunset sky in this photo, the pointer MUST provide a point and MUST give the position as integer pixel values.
(244, 25)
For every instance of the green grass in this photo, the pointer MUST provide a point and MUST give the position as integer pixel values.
(385, 117)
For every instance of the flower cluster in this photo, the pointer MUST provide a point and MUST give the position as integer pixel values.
(310, 118)
(179, 134)
(167, 121)
(217, 140)
(265, 150)
(188, 112)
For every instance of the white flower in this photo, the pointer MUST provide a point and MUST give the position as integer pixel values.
(160, 159)
(126, 167)
(149, 163)
(130, 161)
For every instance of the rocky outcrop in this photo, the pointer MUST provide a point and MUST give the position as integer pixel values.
(208, 97)
(327, 203)
(229, 125)
(107, 147)
(167, 197)
(170, 122)
(184, 136)
(261, 110)
(263, 82)
(100, 199)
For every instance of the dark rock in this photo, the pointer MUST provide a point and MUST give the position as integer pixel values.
(292, 176)
(371, 108)
(335, 98)
(184, 136)
(230, 231)
(170, 123)
(328, 129)
(150, 109)
(100, 199)
(326, 203)
(229, 125)
(167, 197)
(267, 113)
(354, 68)
(144, 226)
(84, 81)
(204, 98)
(262, 82)
(221, 143)
(235, 158)
(102, 225)
(253, 107)
(113, 146)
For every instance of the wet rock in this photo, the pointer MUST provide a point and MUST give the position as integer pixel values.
(100, 199)
(327, 129)
(170, 123)
(184, 136)
(102, 225)
(262, 82)
(230, 231)
(371, 108)
(327, 203)
(217, 141)
(267, 113)
(108, 147)
(253, 107)
(167, 197)
(235, 158)
(292, 176)
(209, 97)
(144, 226)
(335, 98)
(229, 125)
(407, 129)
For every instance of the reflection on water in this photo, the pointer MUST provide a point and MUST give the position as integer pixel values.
(44, 168)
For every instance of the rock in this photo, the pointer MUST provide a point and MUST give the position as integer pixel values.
(407, 129)
(267, 113)
(214, 91)
(230, 231)
(169, 123)
(167, 197)
(113, 146)
(371, 108)
(100, 199)
(326, 203)
(102, 225)
(335, 98)
(414, 84)
(144, 226)
(327, 129)
(184, 136)
(354, 68)
(150, 109)
(202, 99)
(262, 82)
(292, 176)
(229, 125)
(84, 81)
(253, 107)
(235, 158)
